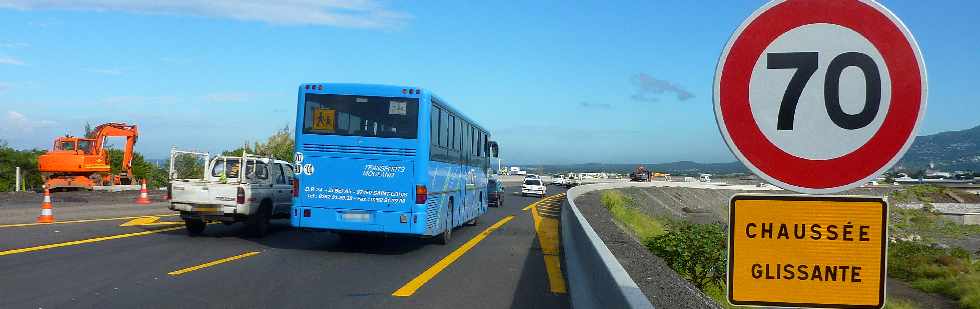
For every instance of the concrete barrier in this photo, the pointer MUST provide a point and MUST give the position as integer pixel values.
(595, 277)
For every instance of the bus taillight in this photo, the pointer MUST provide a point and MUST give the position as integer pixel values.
(421, 193)
(295, 187)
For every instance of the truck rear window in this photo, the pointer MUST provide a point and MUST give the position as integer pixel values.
(354, 115)
(231, 167)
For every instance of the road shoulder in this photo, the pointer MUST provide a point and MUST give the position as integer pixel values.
(662, 286)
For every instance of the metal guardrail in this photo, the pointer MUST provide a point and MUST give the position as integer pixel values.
(595, 277)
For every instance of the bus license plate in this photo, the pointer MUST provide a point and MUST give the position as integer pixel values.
(357, 217)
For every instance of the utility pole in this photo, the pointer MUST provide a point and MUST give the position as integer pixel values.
(17, 179)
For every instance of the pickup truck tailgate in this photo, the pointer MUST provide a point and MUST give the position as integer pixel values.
(203, 193)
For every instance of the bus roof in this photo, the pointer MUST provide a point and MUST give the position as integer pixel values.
(383, 90)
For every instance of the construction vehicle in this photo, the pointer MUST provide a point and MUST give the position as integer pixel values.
(81, 163)
(640, 174)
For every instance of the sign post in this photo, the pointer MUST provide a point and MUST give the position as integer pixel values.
(816, 97)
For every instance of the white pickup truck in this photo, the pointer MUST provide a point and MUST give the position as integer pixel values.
(219, 192)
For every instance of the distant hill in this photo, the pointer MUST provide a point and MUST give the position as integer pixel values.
(948, 151)
(678, 168)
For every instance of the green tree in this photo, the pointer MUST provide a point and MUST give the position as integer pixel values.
(89, 131)
(188, 166)
(279, 146)
(10, 159)
(155, 175)
(695, 251)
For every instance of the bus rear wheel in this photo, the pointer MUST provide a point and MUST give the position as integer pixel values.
(447, 233)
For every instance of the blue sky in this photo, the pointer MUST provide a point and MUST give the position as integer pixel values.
(556, 83)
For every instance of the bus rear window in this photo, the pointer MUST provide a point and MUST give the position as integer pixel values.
(353, 115)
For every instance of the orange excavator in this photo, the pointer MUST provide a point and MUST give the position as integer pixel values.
(78, 162)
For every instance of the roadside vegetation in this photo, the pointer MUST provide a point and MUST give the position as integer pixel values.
(919, 255)
(697, 252)
(624, 210)
(10, 159)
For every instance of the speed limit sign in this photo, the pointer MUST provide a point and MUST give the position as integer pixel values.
(820, 96)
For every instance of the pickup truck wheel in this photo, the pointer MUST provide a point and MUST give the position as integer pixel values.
(447, 233)
(194, 226)
(258, 223)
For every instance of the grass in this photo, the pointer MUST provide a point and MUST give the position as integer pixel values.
(951, 272)
(916, 193)
(624, 210)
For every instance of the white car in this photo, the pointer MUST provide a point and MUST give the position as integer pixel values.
(558, 180)
(533, 187)
(531, 176)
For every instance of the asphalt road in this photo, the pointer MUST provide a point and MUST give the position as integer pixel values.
(154, 264)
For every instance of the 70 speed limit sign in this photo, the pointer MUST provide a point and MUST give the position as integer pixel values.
(820, 96)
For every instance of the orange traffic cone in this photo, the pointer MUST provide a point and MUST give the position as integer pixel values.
(47, 215)
(144, 196)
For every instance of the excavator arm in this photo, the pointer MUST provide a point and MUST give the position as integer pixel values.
(116, 129)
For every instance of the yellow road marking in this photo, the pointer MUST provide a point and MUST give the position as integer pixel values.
(547, 230)
(148, 220)
(409, 288)
(82, 221)
(547, 199)
(85, 241)
(212, 263)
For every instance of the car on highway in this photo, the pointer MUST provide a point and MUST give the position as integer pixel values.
(533, 187)
(532, 176)
(226, 194)
(495, 193)
(558, 180)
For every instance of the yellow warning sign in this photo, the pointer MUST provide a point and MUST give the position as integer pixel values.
(807, 251)
(324, 120)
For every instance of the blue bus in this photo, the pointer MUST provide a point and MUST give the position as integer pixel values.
(387, 159)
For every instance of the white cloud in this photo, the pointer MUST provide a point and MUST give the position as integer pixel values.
(10, 61)
(227, 97)
(341, 13)
(19, 122)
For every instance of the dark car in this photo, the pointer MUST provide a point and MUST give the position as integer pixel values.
(495, 193)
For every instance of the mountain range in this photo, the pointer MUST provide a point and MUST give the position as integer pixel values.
(945, 151)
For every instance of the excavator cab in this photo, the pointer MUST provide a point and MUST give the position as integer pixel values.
(65, 144)
(75, 145)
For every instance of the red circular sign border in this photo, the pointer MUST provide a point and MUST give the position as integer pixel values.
(904, 111)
